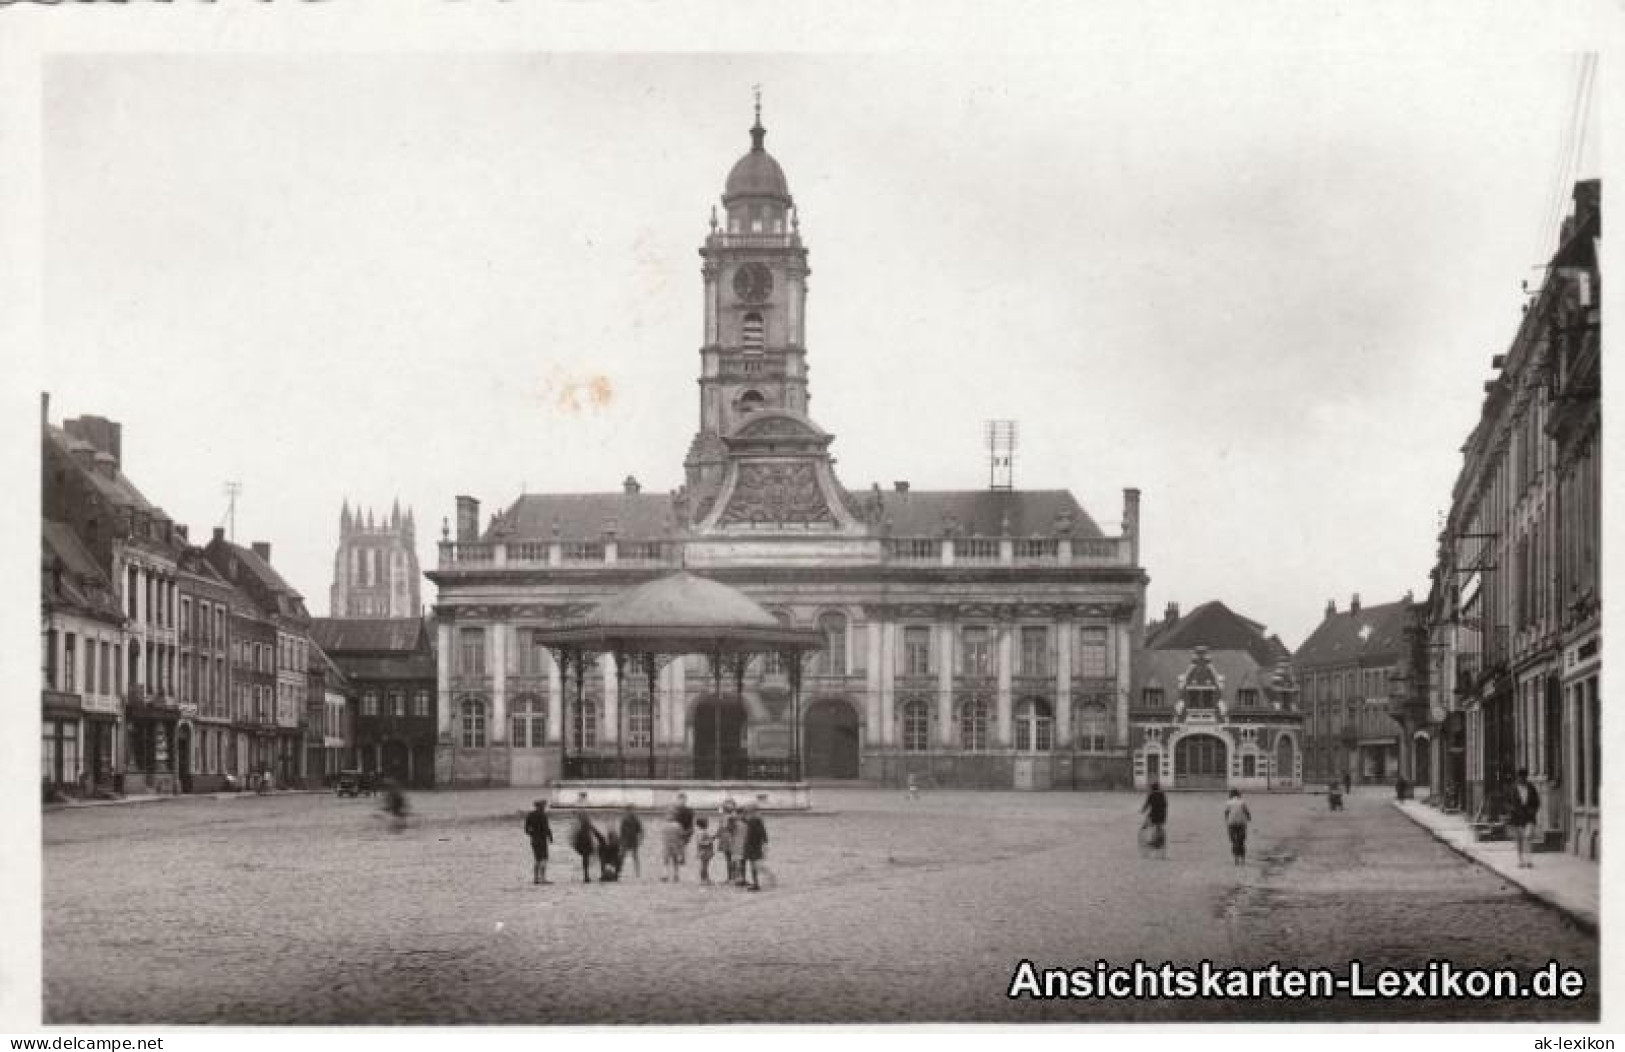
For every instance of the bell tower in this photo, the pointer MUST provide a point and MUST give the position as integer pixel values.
(754, 355)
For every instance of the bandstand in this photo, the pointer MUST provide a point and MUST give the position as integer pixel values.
(641, 630)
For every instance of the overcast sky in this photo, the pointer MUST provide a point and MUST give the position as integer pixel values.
(1266, 293)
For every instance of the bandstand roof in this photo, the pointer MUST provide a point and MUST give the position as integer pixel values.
(680, 614)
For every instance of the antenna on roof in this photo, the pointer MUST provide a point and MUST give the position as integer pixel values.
(1001, 454)
(232, 489)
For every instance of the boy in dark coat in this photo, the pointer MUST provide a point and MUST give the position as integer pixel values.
(632, 838)
(540, 831)
(585, 838)
(755, 845)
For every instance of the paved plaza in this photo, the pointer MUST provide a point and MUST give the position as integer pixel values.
(307, 909)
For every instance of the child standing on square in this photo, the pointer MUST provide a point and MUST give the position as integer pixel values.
(671, 847)
(706, 847)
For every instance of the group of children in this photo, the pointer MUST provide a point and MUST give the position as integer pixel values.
(740, 836)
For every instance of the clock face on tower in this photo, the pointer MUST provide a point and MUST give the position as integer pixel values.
(753, 283)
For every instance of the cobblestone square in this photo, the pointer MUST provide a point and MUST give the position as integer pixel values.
(307, 909)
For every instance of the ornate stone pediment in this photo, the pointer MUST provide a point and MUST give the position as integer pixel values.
(777, 493)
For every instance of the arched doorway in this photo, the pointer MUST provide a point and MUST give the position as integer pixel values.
(719, 739)
(1285, 759)
(832, 739)
(1422, 762)
(1201, 761)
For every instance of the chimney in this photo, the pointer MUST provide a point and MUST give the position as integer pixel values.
(44, 407)
(1354, 604)
(219, 535)
(468, 520)
(1331, 607)
(100, 432)
(1171, 614)
(900, 487)
(630, 485)
(1131, 522)
(263, 550)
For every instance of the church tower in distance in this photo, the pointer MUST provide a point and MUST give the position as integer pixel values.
(375, 573)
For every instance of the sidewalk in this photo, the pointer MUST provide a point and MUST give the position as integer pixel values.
(1568, 884)
(153, 798)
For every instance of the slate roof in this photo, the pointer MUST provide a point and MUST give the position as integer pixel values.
(984, 512)
(1338, 639)
(402, 668)
(348, 635)
(117, 489)
(1219, 628)
(1164, 667)
(84, 586)
(916, 513)
(582, 516)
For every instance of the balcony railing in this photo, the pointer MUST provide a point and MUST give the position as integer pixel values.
(917, 551)
(483, 555)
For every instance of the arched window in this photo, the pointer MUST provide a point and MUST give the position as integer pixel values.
(832, 660)
(1091, 722)
(916, 725)
(529, 722)
(751, 332)
(751, 401)
(473, 712)
(1034, 726)
(974, 716)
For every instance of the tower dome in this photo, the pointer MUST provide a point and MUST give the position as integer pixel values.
(756, 174)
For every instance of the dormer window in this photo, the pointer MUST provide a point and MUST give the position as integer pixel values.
(751, 333)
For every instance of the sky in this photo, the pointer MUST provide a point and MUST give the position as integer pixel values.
(1265, 291)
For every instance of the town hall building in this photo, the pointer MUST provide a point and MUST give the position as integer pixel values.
(971, 637)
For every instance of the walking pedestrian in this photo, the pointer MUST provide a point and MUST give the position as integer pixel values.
(632, 839)
(1154, 834)
(1523, 812)
(685, 818)
(585, 838)
(1236, 817)
(1348, 782)
(728, 839)
(705, 848)
(755, 845)
(540, 832)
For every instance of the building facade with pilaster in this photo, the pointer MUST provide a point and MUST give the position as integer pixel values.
(973, 637)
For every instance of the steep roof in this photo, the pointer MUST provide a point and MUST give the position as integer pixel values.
(1219, 628)
(985, 512)
(340, 635)
(83, 585)
(1234, 667)
(916, 513)
(1373, 636)
(117, 488)
(638, 516)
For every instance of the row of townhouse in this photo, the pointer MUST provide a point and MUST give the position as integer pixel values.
(1507, 673)
(168, 667)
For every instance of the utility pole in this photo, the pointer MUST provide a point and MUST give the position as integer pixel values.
(232, 489)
